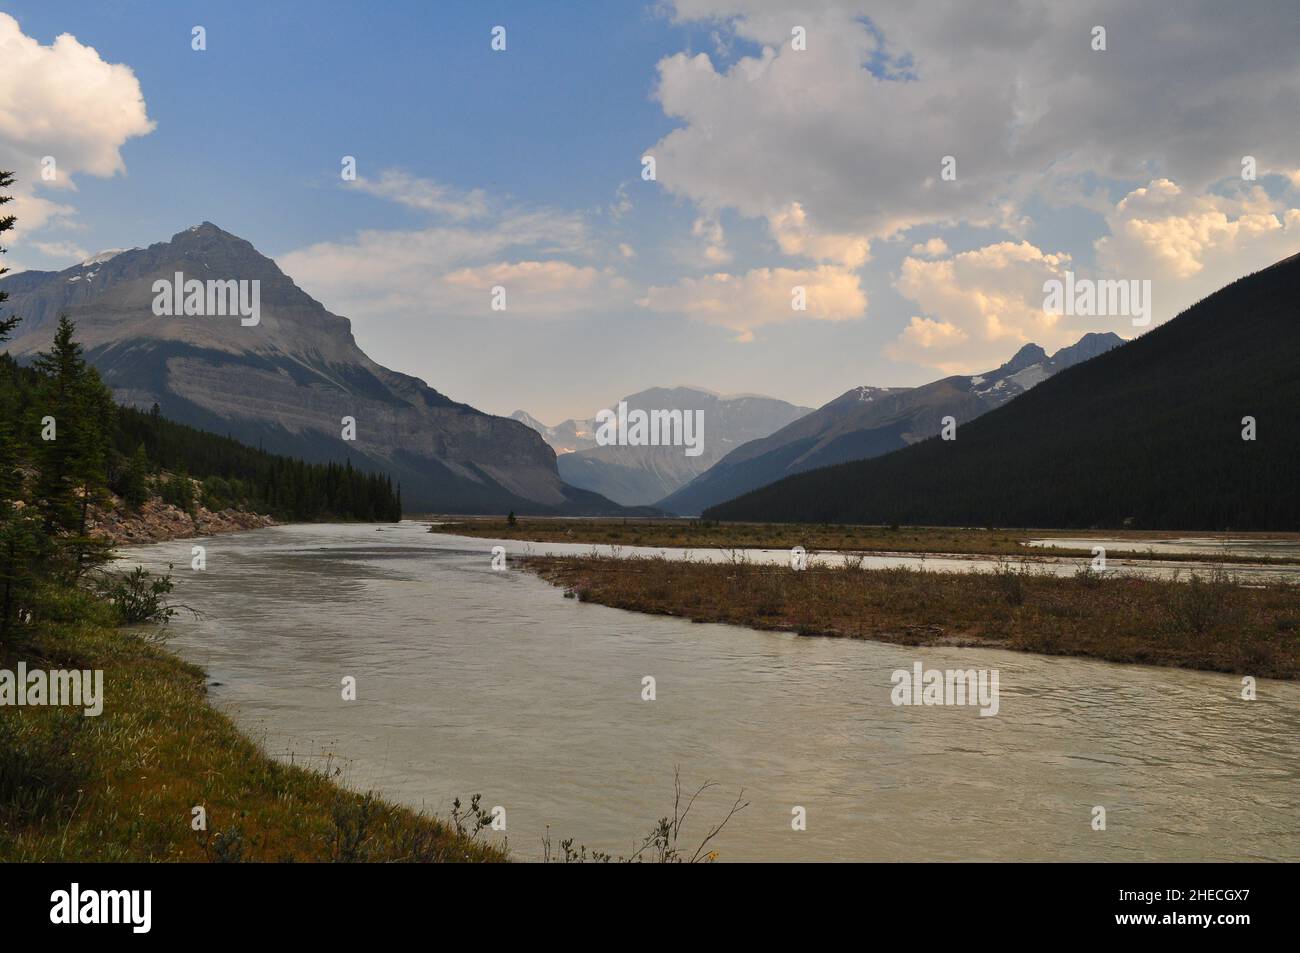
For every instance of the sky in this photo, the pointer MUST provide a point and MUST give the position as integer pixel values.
(794, 145)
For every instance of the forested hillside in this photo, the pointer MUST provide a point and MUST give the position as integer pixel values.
(137, 446)
(66, 449)
(1152, 435)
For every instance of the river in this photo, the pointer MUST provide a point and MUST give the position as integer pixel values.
(470, 680)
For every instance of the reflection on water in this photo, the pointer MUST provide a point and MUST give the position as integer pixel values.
(471, 680)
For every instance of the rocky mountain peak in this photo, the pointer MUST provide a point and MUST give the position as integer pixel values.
(1027, 356)
(1087, 347)
(286, 381)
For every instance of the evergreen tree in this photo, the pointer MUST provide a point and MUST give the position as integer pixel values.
(179, 491)
(57, 421)
(21, 543)
(90, 461)
(44, 520)
(6, 223)
(9, 479)
(24, 552)
(135, 481)
(76, 415)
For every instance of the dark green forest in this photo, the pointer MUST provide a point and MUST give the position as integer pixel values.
(65, 447)
(1148, 435)
(141, 444)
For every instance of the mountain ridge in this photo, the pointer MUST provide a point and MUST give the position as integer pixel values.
(633, 475)
(865, 422)
(1195, 425)
(287, 382)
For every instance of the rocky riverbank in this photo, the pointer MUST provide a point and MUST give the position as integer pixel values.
(156, 522)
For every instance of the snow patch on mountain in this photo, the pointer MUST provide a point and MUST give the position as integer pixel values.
(106, 255)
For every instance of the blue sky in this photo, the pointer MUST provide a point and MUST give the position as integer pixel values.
(250, 131)
(817, 167)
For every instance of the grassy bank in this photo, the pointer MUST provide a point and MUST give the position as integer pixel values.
(1199, 623)
(706, 534)
(121, 786)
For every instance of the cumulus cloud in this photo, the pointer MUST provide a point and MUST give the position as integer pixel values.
(763, 296)
(931, 249)
(981, 306)
(1190, 245)
(795, 235)
(852, 130)
(62, 101)
(929, 333)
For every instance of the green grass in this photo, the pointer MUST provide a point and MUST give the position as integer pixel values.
(122, 786)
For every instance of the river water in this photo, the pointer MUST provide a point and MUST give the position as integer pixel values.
(470, 680)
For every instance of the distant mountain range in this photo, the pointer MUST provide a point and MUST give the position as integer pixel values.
(286, 382)
(869, 421)
(1150, 435)
(566, 437)
(633, 475)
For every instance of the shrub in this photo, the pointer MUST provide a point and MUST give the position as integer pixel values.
(139, 596)
(1199, 606)
(1011, 583)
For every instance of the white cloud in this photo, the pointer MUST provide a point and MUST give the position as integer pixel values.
(851, 131)
(745, 302)
(709, 229)
(980, 306)
(67, 250)
(424, 195)
(933, 248)
(35, 213)
(449, 268)
(1191, 245)
(64, 101)
(548, 289)
(796, 236)
(928, 333)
